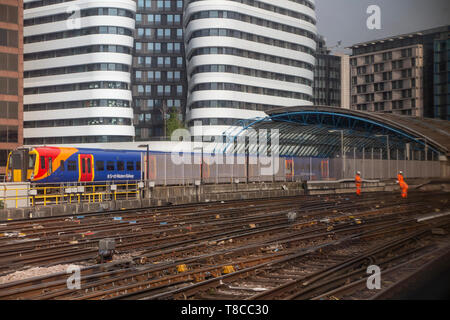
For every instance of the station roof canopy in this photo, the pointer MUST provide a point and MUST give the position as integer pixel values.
(318, 131)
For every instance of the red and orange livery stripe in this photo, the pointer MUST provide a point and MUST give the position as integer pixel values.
(57, 154)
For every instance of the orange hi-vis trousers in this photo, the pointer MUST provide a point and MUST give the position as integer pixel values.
(404, 187)
(358, 185)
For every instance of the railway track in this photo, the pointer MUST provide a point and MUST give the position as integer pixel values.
(212, 241)
(36, 241)
(312, 274)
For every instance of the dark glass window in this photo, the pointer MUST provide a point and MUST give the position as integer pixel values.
(120, 166)
(42, 162)
(138, 166)
(130, 166)
(100, 165)
(71, 165)
(110, 166)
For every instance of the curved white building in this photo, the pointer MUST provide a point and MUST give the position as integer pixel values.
(77, 71)
(245, 57)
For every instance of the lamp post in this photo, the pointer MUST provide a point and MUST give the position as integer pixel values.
(146, 162)
(201, 164)
(388, 150)
(426, 147)
(342, 149)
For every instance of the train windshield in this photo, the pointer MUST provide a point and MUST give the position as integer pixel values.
(31, 160)
(15, 161)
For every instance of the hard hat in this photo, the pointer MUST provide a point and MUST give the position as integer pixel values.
(401, 172)
(359, 172)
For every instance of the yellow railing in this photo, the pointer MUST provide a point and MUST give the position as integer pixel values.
(49, 195)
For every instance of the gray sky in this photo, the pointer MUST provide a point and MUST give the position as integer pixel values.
(346, 19)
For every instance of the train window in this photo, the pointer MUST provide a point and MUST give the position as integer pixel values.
(130, 166)
(83, 166)
(62, 165)
(71, 165)
(89, 165)
(42, 162)
(31, 160)
(110, 165)
(120, 166)
(100, 165)
(138, 166)
(50, 165)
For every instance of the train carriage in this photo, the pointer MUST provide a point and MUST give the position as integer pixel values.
(73, 165)
(61, 164)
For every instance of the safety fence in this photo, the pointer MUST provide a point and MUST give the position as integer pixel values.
(27, 194)
(217, 169)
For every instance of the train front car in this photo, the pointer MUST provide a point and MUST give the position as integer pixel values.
(54, 164)
(62, 165)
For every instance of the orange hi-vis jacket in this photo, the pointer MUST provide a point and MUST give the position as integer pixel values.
(358, 180)
(403, 185)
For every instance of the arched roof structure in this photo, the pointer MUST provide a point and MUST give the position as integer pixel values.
(311, 131)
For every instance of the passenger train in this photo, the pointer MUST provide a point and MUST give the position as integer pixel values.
(61, 164)
(51, 164)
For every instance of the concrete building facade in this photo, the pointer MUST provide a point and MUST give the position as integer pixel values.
(245, 57)
(345, 80)
(11, 78)
(77, 71)
(395, 75)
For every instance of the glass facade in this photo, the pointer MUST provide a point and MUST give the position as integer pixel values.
(159, 74)
(327, 77)
(441, 79)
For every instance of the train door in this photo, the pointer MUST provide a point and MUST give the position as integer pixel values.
(46, 166)
(289, 169)
(85, 167)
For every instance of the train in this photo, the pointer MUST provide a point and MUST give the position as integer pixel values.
(53, 164)
(69, 164)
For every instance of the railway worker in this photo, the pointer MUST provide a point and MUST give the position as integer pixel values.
(403, 185)
(358, 183)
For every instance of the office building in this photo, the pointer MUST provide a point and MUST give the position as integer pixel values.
(159, 70)
(245, 57)
(327, 76)
(77, 79)
(11, 78)
(396, 74)
(442, 76)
